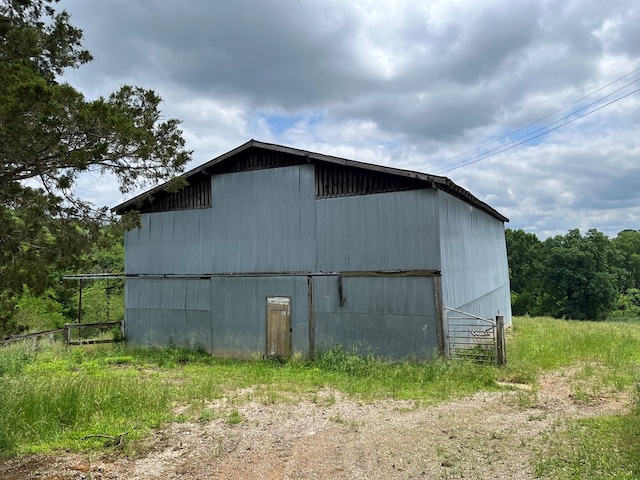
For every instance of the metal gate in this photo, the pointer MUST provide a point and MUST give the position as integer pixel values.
(474, 338)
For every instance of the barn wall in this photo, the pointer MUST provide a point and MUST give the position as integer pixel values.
(392, 317)
(263, 221)
(225, 316)
(239, 313)
(169, 312)
(259, 221)
(270, 221)
(475, 274)
(384, 231)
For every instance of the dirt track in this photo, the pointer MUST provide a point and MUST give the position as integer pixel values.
(487, 436)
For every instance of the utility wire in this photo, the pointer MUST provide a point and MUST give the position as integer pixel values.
(534, 122)
(477, 158)
(531, 135)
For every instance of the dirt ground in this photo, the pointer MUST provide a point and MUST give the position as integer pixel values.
(487, 436)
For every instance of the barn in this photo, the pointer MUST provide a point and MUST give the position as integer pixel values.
(271, 251)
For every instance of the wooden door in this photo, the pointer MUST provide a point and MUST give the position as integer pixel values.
(278, 327)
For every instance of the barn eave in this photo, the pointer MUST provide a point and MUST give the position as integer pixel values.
(298, 156)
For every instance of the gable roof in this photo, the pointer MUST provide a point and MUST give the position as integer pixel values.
(217, 164)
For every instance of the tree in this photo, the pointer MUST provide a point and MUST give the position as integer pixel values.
(524, 256)
(626, 246)
(50, 134)
(576, 277)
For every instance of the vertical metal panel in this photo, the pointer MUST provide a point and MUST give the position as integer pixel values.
(392, 317)
(184, 229)
(169, 312)
(264, 221)
(132, 328)
(198, 295)
(475, 273)
(136, 242)
(385, 231)
(167, 242)
(239, 313)
(199, 329)
(310, 319)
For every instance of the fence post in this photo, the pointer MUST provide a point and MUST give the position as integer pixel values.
(501, 357)
(67, 335)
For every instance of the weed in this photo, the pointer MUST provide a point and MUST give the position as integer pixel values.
(349, 423)
(235, 417)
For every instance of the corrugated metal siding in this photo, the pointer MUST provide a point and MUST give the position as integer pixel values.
(169, 312)
(259, 221)
(264, 221)
(392, 317)
(384, 231)
(270, 221)
(240, 308)
(475, 274)
(225, 316)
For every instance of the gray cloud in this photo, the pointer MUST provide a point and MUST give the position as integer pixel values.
(408, 84)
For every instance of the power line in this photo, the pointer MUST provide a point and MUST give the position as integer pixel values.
(531, 135)
(510, 134)
(483, 156)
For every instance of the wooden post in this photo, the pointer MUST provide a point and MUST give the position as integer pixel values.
(79, 313)
(312, 324)
(441, 317)
(501, 350)
(67, 335)
(80, 303)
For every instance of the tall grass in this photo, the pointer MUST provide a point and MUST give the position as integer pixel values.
(605, 356)
(56, 397)
(609, 350)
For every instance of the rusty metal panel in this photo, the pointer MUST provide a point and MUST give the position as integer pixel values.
(475, 274)
(278, 327)
(386, 231)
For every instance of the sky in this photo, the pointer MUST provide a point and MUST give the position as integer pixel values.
(506, 98)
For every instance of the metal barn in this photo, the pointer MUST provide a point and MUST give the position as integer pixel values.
(272, 250)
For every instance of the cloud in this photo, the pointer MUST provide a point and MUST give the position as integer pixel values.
(409, 84)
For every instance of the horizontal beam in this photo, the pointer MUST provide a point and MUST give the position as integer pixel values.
(205, 276)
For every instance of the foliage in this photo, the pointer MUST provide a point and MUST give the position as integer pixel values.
(576, 276)
(628, 304)
(68, 394)
(49, 135)
(39, 313)
(583, 277)
(524, 253)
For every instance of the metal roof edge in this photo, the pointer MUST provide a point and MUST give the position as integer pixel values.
(442, 183)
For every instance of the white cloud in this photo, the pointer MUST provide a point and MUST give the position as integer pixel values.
(403, 83)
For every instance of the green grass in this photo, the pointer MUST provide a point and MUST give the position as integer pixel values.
(596, 448)
(543, 344)
(63, 398)
(606, 357)
(82, 398)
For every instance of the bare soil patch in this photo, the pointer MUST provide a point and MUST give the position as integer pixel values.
(489, 435)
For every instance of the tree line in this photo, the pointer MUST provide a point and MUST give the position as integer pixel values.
(575, 276)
